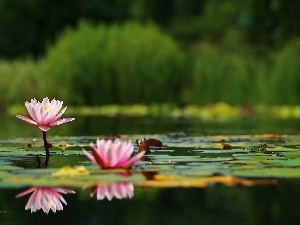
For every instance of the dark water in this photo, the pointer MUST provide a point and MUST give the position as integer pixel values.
(10, 127)
(274, 205)
(263, 205)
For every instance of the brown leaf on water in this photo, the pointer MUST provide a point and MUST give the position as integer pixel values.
(150, 175)
(226, 146)
(152, 142)
(29, 145)
(112, 136)
(179, 135)
(143, 145)
(160, 180)
(271, 137)
(222, 145)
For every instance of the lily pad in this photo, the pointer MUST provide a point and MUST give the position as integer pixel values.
(181, 161)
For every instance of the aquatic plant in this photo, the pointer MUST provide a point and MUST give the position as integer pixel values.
(113, 154)
(45, 198)
(45, 114)
(115, 190)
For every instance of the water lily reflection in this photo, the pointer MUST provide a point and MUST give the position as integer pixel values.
(115, 190)
(45, 198)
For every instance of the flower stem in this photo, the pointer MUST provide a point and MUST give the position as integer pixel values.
(39, 164)
(46, 146)
(46, 161)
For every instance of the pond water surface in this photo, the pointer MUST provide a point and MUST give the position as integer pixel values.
(193, 151)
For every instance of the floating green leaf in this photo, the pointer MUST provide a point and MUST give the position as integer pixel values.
(185, 161)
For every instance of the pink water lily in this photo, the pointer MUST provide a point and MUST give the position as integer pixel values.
(45, 114)
(45, 198)
(113, 154)
(115, 190)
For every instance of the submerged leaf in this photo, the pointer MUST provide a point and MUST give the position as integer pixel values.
(68, 171)
(178, 181)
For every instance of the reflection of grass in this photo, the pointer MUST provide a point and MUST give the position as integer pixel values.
(213, 112)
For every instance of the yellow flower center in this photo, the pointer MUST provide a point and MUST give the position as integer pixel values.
(48, 108)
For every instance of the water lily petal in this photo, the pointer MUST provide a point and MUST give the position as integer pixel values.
(58, 115)
(100, 161)
(45, 198)
(61, 121)
(125, 152)
(44, 127)
(113, 154)
(133, 160)
(114, 190)
(30, 110)
(27, 120)
(26, 192)
(45, 114)
(90, 157)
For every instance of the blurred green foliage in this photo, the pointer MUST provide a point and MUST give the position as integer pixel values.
(173, 51)
(98, 65)
(220, 75)
(28, 27)
(20, 81)
(124, 64)
(285, 75)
